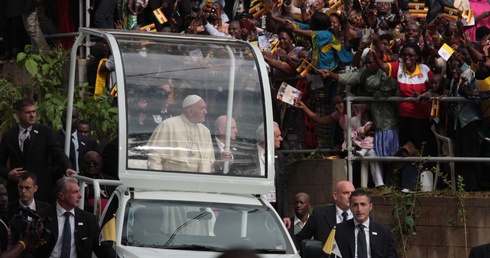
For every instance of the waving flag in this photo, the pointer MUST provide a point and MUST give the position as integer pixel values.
(418, 10)
(160, 16)
(450, 13)
(149, 28)
(257, 9)
(304, 68)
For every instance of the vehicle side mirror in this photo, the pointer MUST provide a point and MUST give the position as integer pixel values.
(311, 249)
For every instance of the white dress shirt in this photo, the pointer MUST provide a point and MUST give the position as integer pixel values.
(366, 232)
(338, 214)
(61, 222)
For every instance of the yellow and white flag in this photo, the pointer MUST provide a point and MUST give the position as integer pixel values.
(446, 51)
(331, 246)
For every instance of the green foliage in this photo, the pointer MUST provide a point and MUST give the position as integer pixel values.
(460, 195)
(9, 94)
(46, 68)
(406, 212)
(48, 92)
(104, 123)
(404, 223)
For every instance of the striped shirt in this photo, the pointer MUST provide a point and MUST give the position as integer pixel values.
(408, 84)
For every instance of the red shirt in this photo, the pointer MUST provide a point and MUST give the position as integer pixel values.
(408, 84)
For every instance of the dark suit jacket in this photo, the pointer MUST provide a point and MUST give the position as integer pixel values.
(481, 251)
(43, 146)
(85, 144)
(87, 233)
(381, 240)
(281, 204)
(4, 233)
(318, 226)
(13, 209)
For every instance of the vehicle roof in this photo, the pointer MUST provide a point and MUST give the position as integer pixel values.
(196, 197)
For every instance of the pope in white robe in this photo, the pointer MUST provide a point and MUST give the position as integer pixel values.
(183, 143)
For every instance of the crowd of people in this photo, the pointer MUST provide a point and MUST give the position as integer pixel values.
(34, 172)
(379, 49)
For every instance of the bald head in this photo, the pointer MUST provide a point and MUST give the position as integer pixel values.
(341, 194)
(220, 128)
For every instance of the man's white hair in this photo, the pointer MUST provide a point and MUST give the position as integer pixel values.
(260, 132)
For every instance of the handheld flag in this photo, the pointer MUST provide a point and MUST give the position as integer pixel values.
(334, 3)
(468, 17)
(304, 68)
(275, 48)
(208, 5)
(257, 10)
(418, 10)
(160, 16)
(435, 107)
(149, 28)
(446, 51)
(450, 13)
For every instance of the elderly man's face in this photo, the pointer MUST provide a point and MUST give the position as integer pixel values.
(198, 112)
(92, 164)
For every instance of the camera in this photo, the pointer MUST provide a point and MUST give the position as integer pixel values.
(26, 215)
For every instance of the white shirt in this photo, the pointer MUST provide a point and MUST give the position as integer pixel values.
(21, 134)
(366, 232)
(74, 139)
(298, 224)
(338, 214)
(61, 223)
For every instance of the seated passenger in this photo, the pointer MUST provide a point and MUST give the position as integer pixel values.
(92, 165)
(183, 143)
(147, 224)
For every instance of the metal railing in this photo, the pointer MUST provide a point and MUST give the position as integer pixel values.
(350, 156)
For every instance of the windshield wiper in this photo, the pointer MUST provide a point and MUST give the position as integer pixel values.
(194, 247)
(269, 251)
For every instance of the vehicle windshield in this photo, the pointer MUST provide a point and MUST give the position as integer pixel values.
(178, 97)
(202, 226)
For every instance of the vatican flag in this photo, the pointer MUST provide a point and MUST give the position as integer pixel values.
(330, 246)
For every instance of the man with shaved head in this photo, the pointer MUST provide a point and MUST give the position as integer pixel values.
(324, 218)
(219, 141)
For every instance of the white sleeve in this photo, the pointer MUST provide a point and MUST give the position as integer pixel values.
(213, 31)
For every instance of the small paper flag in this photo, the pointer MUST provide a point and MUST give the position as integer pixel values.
(468, 17)
(418, 10)
(304, 68)
(450, 13)
(446, 51)
(257, 9)
(275, 48)
(207, 6)
(160, 16)
(149, 28)
(435, 107)
(334, 3)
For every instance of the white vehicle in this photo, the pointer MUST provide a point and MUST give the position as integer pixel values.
(175, 212)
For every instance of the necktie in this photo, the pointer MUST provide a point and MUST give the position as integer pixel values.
(361, 243)
(66, 241)
(344, 216)
(24, 141)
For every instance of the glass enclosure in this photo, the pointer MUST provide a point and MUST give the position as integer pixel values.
(202, 226)
(169, 131)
